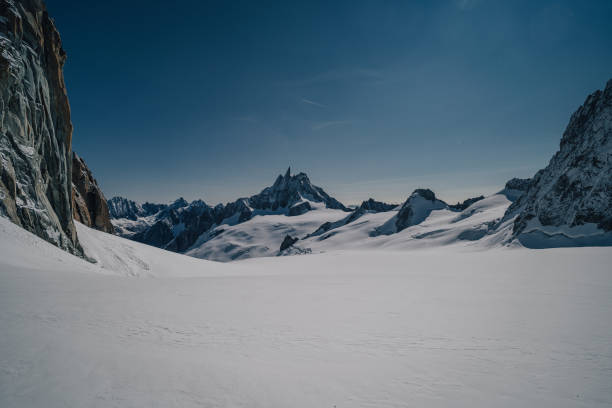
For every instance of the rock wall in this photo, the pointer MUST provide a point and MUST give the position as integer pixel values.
(89, 205)
(576, 187)
(35, 125)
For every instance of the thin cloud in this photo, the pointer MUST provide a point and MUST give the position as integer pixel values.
(324, 125)
(313, 103)
(353, 74)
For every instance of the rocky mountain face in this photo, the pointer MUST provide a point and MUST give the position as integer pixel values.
(179, 225)
(120, 207)
(35, 125)
(418, 207)
(575, 189)
(88, 203)
(289, 191)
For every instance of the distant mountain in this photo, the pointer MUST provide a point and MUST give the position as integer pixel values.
(366, 207)
(569, 202)
(289, 191)
(179, 225)
(414, 211)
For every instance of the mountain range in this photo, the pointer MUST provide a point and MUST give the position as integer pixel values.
(45, 187)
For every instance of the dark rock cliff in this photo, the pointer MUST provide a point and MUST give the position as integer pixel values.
(88, 203)
(35, 125)
(576, 186)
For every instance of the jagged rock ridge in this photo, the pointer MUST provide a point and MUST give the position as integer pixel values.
(35, 125)
(575, 189)
(288, 191)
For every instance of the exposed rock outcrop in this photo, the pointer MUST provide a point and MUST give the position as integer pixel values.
(372, 205)
(466, 203)
(88, 203)
(35, 125)
(575, 189)
(288, 242)
(299, 209)
(518, 184)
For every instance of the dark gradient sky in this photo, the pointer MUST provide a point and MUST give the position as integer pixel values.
(212, 99)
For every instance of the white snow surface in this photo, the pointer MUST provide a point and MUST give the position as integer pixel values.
(260, 236)
(263, 234)
(437, 327)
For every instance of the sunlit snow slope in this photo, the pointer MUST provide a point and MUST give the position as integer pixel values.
(436, 328)
(262, 235)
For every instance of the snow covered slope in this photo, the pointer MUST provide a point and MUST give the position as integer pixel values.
(109, 255)
(438, 225)
(435, 328)
(260, 236)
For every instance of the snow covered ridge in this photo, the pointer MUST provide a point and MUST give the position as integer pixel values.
(420, 221)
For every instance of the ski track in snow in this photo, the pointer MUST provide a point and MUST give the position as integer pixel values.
(437, 327)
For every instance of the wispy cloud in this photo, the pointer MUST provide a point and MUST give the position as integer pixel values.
(309, 102)
(352, 74)
(324, 125)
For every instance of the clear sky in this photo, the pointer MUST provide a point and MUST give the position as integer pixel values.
(213, 99)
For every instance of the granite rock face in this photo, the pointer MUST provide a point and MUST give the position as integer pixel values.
(88, 203)
(576, 187)
(35, 125)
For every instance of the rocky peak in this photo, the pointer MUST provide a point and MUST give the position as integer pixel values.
(576, 186)
(179, 203)
(88, 203)
(35, 125)
(417, 208)
(288, 191)
(375, 206)
(120, 207)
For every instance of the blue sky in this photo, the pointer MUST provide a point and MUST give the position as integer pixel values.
(213, 99)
